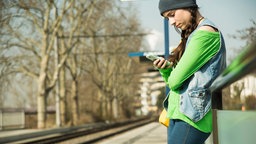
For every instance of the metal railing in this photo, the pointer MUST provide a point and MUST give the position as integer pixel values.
(244, 64)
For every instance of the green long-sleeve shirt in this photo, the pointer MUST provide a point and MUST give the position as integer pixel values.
(200, 49)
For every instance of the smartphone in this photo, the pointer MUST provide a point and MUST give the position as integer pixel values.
(153, 57)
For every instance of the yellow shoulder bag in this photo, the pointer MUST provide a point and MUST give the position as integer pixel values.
(163, 118)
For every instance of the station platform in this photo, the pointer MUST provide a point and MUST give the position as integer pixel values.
(153, 133)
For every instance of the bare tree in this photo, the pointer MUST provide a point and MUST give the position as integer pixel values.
(76, 20)
(1, 93)
(247, 34)
(57, 43)
(31, 30)
(5, 64)
(113, 34)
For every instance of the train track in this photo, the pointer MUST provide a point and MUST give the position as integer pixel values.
(90, 133)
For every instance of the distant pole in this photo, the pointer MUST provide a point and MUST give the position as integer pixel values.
(166, 45)
(166, 38)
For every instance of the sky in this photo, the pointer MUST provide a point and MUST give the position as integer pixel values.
(229, 16)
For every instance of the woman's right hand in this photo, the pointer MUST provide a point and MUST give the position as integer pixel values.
(161, 64)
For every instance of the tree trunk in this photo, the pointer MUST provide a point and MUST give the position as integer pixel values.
(42, 94)
(104, 107)
(110, 109)
(63, 100)
(115, 109)
(74, 97)
(41, 109)
(101, 107)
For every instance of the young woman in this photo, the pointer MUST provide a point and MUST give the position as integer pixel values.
(196, 62)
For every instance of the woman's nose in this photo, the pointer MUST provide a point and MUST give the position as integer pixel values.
(171, 20)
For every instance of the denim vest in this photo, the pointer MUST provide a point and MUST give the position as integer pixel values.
(195, 96)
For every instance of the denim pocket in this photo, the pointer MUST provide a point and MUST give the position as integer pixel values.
(198, 99)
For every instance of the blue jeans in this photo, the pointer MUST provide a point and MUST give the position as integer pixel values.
(180, 132)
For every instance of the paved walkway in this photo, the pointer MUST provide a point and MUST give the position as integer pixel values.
(153, 133)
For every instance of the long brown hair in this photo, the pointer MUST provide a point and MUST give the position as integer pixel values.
(178, 52)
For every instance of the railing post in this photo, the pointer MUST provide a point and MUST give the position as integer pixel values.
(217, 100)
(166, 46)
(216, 105)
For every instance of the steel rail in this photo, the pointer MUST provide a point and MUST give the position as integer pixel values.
(60, 135)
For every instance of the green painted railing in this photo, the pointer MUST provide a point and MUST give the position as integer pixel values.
(234, 127)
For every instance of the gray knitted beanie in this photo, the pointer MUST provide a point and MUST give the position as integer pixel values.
(165, 5)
